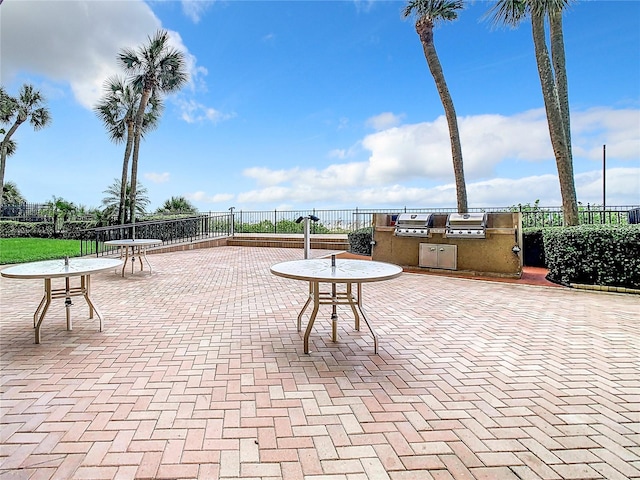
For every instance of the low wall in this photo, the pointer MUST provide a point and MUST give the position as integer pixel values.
(493, 255)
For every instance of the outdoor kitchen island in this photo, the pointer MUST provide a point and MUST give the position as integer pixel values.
(487, 244)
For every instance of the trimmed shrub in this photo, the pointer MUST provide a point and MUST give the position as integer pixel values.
(594, 255)
(360, 241)
(12, 229)
(77, 230)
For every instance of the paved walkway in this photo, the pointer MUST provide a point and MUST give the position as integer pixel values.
(200, 373)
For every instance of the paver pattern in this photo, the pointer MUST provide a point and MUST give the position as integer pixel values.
(200, 373)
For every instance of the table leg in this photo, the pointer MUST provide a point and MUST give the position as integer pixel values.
(366, 320)
(309, 299)
(67, 303)
(353, 305)
(314, 313)
(42, 302)
(334, 313)
(86, 293)
(141, 252)
(126, 258)
(47, 298)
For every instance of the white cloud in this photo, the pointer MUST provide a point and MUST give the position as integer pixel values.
(203, 197)
(80, 48)
(405, 156)
(194, 9)
(157, 177)
(194, 112)
(383, 121)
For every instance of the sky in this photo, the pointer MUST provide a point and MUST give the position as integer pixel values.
(324, 104)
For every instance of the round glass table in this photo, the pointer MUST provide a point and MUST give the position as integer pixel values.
(336, 271)
(129, 249)
(63, 268)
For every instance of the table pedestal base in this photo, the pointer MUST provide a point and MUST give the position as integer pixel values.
(139, 251)
(335, 298)
(54, 293)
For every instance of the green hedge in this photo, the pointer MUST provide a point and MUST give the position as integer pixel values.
(12, 229)
(360, 241)
(73, 230)
(605, 255)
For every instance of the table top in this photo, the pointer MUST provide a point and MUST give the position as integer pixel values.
(127, 242)
(57, 268)
(345, 271)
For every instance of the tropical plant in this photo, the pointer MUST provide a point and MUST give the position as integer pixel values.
(111, 201)
(553, 80)
(428, 13)
(117, 110)
(156, 69)
(177, 205)
(29, 105)
(11, 195)
(59, 209)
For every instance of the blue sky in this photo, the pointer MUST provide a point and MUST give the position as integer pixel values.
(324, 104)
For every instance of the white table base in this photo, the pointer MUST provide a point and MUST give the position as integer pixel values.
(54, 293)
(335, 298)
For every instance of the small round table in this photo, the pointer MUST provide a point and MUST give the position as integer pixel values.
(137, 247)
(340, 271)
(64, 268)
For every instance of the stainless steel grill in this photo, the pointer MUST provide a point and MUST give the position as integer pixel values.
(466, 225)
(413, 224)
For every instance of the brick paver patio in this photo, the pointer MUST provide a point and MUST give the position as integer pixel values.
(200, 373)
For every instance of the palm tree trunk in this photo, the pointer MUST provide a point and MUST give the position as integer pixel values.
(425, 31)
(3, 153)
(122, 208)
(560, 70)
(3, 163)
(552, 103)
(146, 94)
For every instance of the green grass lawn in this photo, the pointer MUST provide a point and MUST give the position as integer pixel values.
(20, 250)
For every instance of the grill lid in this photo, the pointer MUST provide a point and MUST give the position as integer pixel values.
(413, 224)
(466, 225)
(474, 220)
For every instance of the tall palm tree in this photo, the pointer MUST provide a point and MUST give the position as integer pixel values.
(156, 69)
(553, 81)
(29, 105)
(111, 201)
(117, 110)
(428, 13)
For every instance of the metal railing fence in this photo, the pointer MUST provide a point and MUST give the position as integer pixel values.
(172, 231)
(345, 221)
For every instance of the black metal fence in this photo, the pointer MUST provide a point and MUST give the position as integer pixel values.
(211, 224)
(345, 221)
(25, 212)
(177, 230)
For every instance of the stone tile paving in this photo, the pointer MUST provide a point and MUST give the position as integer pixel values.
(200, 373)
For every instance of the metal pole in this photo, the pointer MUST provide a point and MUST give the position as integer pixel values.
(307, 243)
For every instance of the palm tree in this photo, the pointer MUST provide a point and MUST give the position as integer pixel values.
(117, 109)
(553, 80)
(11, 194)
(111, 202)
(177, 205)
(427, 14)
(29, 105)
(157, 69)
